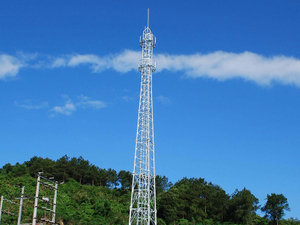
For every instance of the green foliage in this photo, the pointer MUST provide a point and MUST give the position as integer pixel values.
(90, 195)
(242, 207)
(193, 200)
(290, 221)
(184, 222)
(78, 169)
(275, 206)
(10, 188)
(162, 184)
(125, 179)
(257, 220)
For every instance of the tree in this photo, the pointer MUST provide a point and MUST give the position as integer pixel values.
(19, 170)
(83, 167)
(62, 168)
(7, 168)
(34, 165)
(243, 205)
(92, 174)
(112, 178)
(275, 206)
(162, 184)
(125, 179)
(103, 177)
(167, 206)
(218, 204)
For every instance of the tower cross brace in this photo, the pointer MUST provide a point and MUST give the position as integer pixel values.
(143, 193)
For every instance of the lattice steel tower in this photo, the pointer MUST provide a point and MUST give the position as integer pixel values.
(143, 195)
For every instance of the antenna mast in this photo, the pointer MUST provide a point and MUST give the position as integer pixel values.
(143, 193)
(148, 19)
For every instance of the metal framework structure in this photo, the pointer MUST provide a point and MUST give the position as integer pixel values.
(53, 187)
(14, 203)
(143, 194)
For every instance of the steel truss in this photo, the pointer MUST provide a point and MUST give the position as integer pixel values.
(143, 194)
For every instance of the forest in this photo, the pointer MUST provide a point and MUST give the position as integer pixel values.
(89, 195)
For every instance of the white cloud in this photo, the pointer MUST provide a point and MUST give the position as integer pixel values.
(69, 107)
(223, 66)
(9, 66)
(126, 61)
(123, 62)
(217, 65)
(86, 102)
(59, 62)
(28, 105)
(164, 100)
(127, 98)
(97, 64)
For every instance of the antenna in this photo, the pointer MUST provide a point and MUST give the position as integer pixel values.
(143, 194)
(148, 19)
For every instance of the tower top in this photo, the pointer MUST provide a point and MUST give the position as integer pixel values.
(148, 19)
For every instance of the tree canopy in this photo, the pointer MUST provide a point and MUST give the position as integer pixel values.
(275, 206)
(92, 195)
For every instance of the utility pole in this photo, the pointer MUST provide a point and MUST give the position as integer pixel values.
(14, 203)
(52, 186)
(1, 204)
(21, 205)
(143, 194)
(36, 199)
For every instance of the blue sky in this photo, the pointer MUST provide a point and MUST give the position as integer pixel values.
(226, 90)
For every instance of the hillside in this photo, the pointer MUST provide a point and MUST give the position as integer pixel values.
(90, 195)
